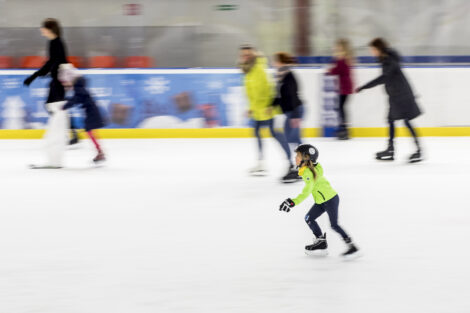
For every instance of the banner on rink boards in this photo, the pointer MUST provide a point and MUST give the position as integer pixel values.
(159, 103)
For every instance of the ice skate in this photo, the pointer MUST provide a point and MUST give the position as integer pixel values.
(74, 139)
(258, 170)
(99, 158)
(342, 134)
(415, 157)
(352, 252)
(318, 248)
(44, 167)
(291, 176)
(386, 155)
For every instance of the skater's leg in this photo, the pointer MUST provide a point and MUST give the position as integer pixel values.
(292, 128)
(391, 132)
(95, 142)
(257, 128)
(73, 130)
(412, 132)
(342, 113)
(288, 128)
(331, 207)
(310, 218)
(281, 138)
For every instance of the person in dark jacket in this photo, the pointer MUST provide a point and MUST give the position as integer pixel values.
(57, 55)
(343, 69)
(71, 78)
(401, 99)
(288, 100)
(287, 96)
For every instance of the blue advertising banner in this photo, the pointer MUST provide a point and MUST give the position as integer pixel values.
(135, 100)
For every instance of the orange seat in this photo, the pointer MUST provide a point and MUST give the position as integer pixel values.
(102, 61)
(32, 61)
(138, 62)
(6, 62)
(76, 61)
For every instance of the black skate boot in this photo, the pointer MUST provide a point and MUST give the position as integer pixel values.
(386, 155)
(318, 248)
(342, 133)
(74, 140)
(415, 157)
(291, 176)
(352, 252)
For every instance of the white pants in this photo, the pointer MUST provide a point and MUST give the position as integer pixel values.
(56, 136)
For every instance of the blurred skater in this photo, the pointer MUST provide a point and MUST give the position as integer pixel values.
(287, 96)
(71, 78)
(343, 69)
(326, 200)
(401, 99)
(57, 55)
(260, 94)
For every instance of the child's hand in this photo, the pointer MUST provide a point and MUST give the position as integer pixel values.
(286, 205)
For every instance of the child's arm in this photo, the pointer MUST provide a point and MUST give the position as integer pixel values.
(308, 179)
(79, 95)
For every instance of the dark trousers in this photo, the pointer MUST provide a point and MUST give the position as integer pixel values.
(410, 128)
(57, 93)
(331, 208)
(293, 134)
(342, 113)
(278, 136)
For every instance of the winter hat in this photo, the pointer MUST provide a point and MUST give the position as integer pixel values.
(68, 73)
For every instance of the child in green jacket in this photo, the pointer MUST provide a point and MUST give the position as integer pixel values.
(326, 200)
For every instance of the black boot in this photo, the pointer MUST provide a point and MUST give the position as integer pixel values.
(319, 247)
(74, 139)
(352, 251)
(291, 176)
(342, 133)
(386, 155)
(416, 157)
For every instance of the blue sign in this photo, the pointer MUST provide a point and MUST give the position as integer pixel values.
(135, 100)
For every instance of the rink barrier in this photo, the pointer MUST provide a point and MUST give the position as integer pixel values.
(136, 133)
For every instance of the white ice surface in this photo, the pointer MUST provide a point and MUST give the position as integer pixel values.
(178, 226)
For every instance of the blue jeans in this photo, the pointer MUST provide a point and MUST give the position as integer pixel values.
(293, 134)
(278, 136)
(331, 208)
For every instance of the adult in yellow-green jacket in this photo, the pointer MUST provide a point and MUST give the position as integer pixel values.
(260, 93)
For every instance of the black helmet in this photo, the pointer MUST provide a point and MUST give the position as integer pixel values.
(311, 151)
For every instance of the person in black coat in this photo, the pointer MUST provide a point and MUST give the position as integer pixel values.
(71, 78)
(287, 97)
(288, 100)
(401, 98)
(57, 56)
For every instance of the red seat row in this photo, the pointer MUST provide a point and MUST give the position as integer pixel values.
(104, 61)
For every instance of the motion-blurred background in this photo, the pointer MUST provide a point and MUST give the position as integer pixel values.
(207, 33)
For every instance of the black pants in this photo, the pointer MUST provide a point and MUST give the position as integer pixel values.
(331, 208)
(342, 114)
(410, 128)
(57, 93)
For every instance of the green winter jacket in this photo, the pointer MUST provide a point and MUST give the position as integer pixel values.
(319, 188)
(260, 90)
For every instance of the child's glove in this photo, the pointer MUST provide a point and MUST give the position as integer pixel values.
(286, 205)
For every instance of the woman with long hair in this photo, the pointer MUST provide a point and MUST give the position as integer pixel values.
(51, 29)
(342, 68)
(401, 98)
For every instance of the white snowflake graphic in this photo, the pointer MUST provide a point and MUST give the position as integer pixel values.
(157, 85)
(215, 84)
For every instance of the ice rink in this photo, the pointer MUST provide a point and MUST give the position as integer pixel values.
(178, 226)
